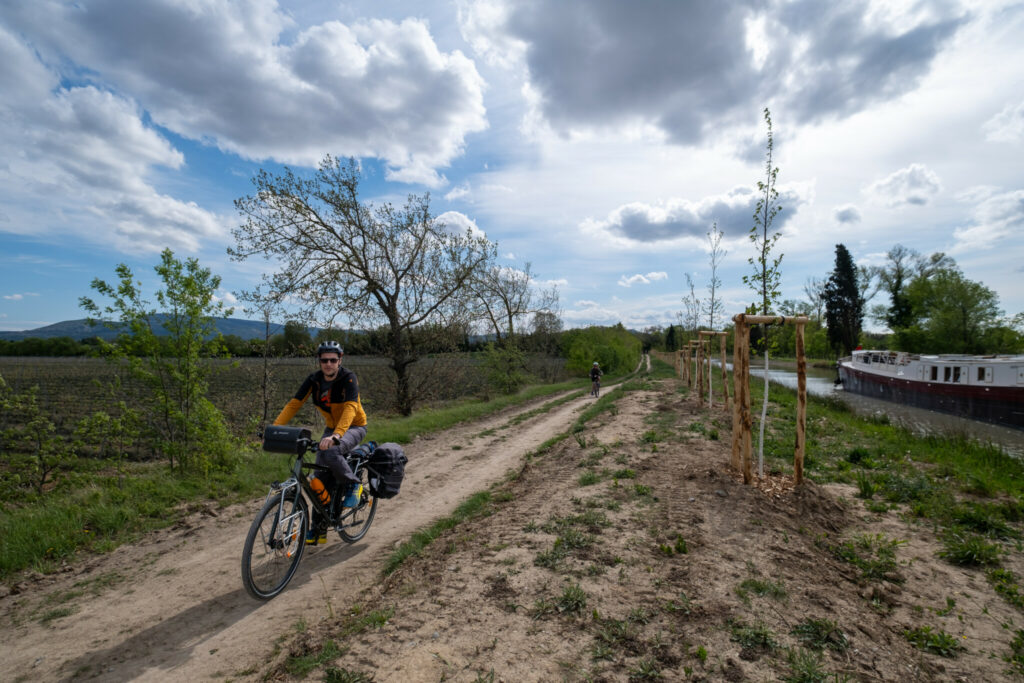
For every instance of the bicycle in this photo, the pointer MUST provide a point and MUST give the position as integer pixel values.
(277, 537)
(595, 388)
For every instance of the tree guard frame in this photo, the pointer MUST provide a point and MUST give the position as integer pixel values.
(742, 421)
(704, 337)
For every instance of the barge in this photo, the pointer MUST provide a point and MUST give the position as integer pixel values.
(986, 388)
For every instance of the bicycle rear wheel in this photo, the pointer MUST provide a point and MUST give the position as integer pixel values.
(355, 522)
(274, 545)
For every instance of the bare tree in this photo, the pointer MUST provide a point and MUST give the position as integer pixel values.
(691, 302)
(268, 306)
(342, 257)
(716, 253)
(814, 288)
(506, 296)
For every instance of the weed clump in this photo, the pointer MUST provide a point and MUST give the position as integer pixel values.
(937, 642)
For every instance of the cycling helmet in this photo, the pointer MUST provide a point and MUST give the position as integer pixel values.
(595, 362)
(330, 347)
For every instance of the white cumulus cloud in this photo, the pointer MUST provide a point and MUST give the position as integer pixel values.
(233, 73)
(640, 279)
(1007, 125)
(915, 185)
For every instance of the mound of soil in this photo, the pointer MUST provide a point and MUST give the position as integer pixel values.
(625, 555)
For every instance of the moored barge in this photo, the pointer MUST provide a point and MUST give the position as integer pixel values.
(987, 388)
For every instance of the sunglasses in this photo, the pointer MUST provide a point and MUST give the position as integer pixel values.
(329, 360)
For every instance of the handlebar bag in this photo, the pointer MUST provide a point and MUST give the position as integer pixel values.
(387, 469)
(282, 439)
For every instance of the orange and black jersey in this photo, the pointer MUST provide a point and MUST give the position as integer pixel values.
(337, 400)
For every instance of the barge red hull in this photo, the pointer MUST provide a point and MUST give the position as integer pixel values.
(999, 405)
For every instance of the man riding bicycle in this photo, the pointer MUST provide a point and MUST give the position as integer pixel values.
(335, 393)
(595, 378)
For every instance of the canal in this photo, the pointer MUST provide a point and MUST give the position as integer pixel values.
(821, 382)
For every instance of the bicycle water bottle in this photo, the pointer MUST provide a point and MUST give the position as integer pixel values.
(320, 490)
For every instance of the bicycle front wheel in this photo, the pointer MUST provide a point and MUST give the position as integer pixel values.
(355, 522)
(274, 545)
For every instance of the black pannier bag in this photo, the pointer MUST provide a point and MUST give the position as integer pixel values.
(387, 469)
(281, 439)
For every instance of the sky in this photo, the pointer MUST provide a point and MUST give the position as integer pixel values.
(597, 141)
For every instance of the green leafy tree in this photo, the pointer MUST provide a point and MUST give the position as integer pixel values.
(30, 444)
(376, 265)
(187, 429)
(844, 305)
(297, 339)
(616, 349)
(953, 314)
(766, 279)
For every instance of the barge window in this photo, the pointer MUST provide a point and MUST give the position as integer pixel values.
(935, 373)
(945, 373)
(984, 374)
(956, 373)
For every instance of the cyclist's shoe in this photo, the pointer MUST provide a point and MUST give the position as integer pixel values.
(316, 537)
(352, 497)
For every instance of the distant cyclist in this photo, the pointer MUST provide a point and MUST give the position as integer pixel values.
(595, 379)
(335, 393)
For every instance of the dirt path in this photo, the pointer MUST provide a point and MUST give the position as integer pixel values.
(172, 606)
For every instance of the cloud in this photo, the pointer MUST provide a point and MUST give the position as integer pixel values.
(237, 75)
(848, 213)
(604, 65)
(560, 282)
(682, 218)
(1006, 126)
(639, 279)
(458, 223)
(995, 219)
(224, 297)
(916, 185)
(460, 192)
(85, 154)
(14, 297)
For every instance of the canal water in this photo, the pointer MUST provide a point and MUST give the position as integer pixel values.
(821, 382)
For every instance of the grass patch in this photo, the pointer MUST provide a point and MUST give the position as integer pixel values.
(756, 637)
(805, 666)
(477, 505)
(301, 665)
(358, 622)
(819, 634)
(935, 641)
(335, 675)
(56, 613)
(1005, 583)
(875, 556)
(1016, 656)
(966, 549)
(763, 588)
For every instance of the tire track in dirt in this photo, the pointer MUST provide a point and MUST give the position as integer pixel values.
(172, 607)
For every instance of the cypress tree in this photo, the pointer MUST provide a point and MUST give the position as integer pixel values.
(844, 306)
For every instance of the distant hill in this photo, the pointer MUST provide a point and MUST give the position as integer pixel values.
(80, 329)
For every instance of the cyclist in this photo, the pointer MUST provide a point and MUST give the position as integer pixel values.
(595, 379)
(335, 393)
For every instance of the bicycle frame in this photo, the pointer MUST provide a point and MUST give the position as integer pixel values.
(300, 479)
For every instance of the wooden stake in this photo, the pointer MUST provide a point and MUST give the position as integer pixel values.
(725, 374)
(737, 422)
(801, 406)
